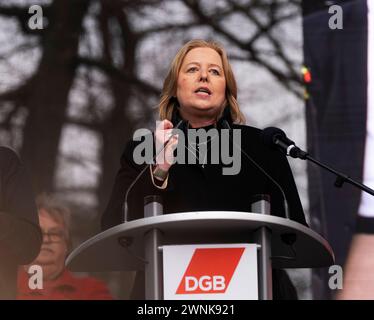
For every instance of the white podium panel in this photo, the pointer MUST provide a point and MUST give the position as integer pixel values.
(213, 272)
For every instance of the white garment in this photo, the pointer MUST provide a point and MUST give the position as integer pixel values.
(366, 208)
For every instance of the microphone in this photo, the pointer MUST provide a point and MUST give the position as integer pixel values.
(275, 137)
(125, 208)
(226, 125)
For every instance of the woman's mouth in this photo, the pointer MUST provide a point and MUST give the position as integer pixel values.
(203, 92)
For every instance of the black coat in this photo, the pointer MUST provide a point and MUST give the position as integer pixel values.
(20, 236)
(195, 188)
(192, 187)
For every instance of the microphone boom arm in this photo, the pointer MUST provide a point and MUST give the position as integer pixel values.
(341, 178)
(273, 136)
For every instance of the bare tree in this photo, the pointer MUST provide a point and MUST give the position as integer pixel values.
(117, 51)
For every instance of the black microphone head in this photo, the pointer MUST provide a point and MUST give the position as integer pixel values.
(271, 134)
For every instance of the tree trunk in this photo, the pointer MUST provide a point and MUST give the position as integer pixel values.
(119, 126)
(48, 99)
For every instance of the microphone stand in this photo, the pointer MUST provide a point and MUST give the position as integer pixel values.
(125, 207)
(341, 178)
(226, 125)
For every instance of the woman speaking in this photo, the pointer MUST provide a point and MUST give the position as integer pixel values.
(200, 92)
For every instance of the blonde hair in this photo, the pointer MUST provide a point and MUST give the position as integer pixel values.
(168, 99)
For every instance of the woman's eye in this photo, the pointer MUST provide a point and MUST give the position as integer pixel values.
(192, 69)
(215, 72)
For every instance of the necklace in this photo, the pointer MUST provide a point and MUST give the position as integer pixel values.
(196, 149)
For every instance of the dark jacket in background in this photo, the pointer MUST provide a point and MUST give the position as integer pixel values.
(336, 124)
(20, 236)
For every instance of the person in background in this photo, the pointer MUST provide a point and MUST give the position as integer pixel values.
(340, 122)
(20, 236)
(58, 282)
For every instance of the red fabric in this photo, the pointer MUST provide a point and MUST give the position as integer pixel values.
(65, 287)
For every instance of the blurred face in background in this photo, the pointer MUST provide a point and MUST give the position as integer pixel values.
(54, 248)
(201, 85)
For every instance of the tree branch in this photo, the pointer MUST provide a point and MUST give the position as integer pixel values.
(168, 27)
(113, 71)
(284, 79)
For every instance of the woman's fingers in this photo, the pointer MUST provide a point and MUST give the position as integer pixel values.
(169, 150)
(167, 156)
(164, 131)
(167, 124)
(173, 142)
(164, 134)
(164, 125)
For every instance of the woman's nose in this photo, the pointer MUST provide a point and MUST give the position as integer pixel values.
(203, 75)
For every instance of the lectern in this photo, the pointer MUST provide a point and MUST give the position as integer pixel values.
(137, 245)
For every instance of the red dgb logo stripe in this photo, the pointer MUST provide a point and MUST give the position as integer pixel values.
(210, 270)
